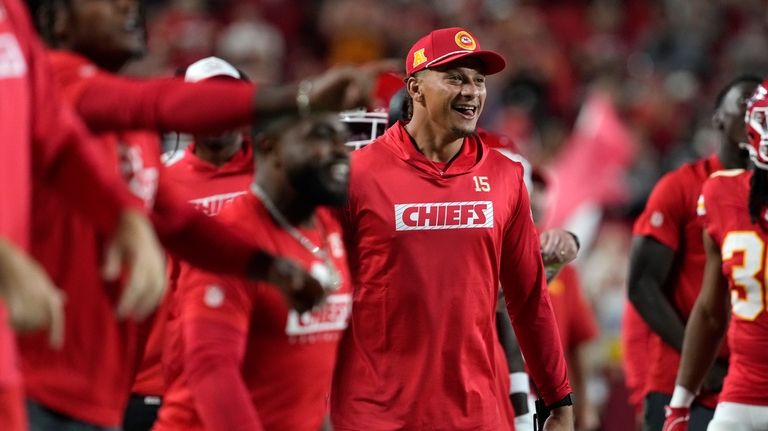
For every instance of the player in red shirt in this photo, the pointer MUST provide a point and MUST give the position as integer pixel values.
(667, 256)
(435, 222)
(55, 150)
(238, 357)
(210, 174)
(733, 210)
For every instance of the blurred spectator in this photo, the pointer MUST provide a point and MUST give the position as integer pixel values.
(254, 46)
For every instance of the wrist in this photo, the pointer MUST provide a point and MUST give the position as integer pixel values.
(566, 401)
(681, 397)
(575, 239)
(260, 266)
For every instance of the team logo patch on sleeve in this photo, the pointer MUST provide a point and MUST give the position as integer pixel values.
(444, 215)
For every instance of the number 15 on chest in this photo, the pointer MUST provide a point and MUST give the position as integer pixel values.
(481, 184)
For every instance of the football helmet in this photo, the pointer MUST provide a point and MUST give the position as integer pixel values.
(756, 119)
(365, 125)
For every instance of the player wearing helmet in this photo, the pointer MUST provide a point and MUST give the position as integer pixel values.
(667, 256)
(733, 209)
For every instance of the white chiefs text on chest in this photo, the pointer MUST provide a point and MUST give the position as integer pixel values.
(444, 215)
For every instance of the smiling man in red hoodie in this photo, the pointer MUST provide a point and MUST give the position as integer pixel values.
(431, 235)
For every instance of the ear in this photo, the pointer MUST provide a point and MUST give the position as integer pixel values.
(717, 120)
(414, 87)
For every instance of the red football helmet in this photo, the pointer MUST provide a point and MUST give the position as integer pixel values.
(756, 119)
(365, 125)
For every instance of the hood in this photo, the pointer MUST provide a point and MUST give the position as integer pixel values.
(397, 140)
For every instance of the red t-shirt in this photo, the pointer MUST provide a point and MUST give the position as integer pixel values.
(428, 249)
(726, 219)
(670, 218)
(285, 361)
(575, 319)
(209, 189)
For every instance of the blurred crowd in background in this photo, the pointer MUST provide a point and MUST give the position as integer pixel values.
(603, 96)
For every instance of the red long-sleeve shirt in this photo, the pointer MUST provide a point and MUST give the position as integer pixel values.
(428, 247)
(97, 347)
(41, 138)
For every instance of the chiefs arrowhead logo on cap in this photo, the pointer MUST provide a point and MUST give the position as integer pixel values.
(465, 41)
(446, 45)
(419, 57)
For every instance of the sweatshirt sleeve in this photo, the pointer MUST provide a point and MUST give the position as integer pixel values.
(113, 103)
(214, 347)
(524, 282)
(198, 239)
(213, 355)
(64, 156)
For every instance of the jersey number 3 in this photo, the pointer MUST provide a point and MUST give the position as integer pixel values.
(748, 293)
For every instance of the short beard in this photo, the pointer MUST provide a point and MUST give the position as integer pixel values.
(461, 133)
(307, 182)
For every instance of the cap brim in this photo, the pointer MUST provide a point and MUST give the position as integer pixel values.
(492, 62)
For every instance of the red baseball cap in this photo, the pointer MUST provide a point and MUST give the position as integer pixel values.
(450, 44)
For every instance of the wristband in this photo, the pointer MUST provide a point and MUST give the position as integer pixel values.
(566, 401)
(681, 397)
(302, 98)
(519, 383)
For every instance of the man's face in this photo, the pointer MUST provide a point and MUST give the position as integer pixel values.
(105, 27)
(454, 95)
(232, 139)
(315, 159)
(731, 112)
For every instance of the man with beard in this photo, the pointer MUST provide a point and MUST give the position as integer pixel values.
(238, 357)
(435, 222)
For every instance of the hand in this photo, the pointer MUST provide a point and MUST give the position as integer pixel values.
(558, 247)
(677, 418)
(33, 301)
(302, 291)
(560, 419)
(134, 248)
(342, 88)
